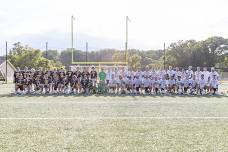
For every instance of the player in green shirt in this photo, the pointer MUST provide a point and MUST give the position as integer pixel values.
(102, 75)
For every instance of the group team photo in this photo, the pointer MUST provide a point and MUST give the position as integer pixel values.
(114, 76)
(117, 80)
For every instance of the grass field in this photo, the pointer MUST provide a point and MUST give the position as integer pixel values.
(113, 123)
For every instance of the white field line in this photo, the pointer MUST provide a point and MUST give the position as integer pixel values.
(113, 102)
(111, 118)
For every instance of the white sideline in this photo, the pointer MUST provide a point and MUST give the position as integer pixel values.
(108, 118)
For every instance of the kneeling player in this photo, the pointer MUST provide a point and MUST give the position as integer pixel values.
(172, 85)
(156, 85)
(146, 85)
(137, 84)
(163, 85)
(112, 84)
(129, 84)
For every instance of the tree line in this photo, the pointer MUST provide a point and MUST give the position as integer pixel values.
(206, 53)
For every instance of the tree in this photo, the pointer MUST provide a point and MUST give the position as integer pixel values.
(52, 55)
(134, 62)
(119, 56)
(21, 56)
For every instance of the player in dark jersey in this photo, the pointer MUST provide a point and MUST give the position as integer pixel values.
(67, 80)
(55, 82)
(85, 84)
(19, 80)
(78, 74)
(47, 83)
(85, 73)
(15, 78)
(38, 83)
(93, 78)
(61, 83)
(73, 83)
(28, 82)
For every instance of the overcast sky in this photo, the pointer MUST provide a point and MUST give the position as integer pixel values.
(102, 22)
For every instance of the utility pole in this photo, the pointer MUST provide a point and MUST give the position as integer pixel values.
(6, 62)
(86, 52)
(46, 55)
(164, 56)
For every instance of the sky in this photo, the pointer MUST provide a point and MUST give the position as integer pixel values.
(101, 23)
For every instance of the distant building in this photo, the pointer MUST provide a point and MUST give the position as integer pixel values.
(10, 69)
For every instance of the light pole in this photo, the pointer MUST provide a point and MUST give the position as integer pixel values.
(126, 44)
(72, 36)
(86, 52)
(46, 52)
(6, 61)
(164, 56)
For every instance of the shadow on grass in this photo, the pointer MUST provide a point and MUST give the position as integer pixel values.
(133, 96)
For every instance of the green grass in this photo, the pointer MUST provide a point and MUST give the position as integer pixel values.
(113, 123)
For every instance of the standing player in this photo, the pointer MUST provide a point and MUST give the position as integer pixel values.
(202, 85)
(189, 72)
(214, 84)
(179, 85)
(93, 76)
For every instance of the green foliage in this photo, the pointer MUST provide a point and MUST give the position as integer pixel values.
(202, 53)
(209, 52)
(134, 62)
(21, 56)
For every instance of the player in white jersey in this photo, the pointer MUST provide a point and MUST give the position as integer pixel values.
(197, 74)
(166, 82)
(147, 72)
(179, 85)
(146, 85)
(183, 74)
(192, 85)
(186, 83)
(214, 73)
(137, 84)
(108, 75)
(112, 84)
(161, 73)
(189, 72)
(163, 85)
(129, 84)
(177, 73)
(152, 72)
(170, 71)
(156, 85)
(151, 84)
(202, 84)
(172, 85)
(214, 84)
(208, 84)
(206, 73)
(122, 84)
